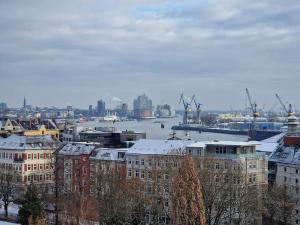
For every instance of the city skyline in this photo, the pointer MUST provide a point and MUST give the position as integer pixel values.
(72, 53)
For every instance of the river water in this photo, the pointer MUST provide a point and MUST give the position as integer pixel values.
(154, 131)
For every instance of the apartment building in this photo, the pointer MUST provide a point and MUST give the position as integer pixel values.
(31, 157)
(284, 164)
(154, 161)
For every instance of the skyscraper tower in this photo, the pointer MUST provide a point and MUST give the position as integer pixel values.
(24, 103)
(101, 108)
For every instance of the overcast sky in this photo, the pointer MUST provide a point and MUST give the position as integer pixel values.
(59, 53)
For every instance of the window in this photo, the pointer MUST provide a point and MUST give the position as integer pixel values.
(252, 178)
(129, 173)
(84, 170)
(159, 163)
(158, 175)
(149, 175)
(142, 174)
(284, 169)
(175, 164)
(137, 173)
(252, 165)
(35, 156)
(142, 162)
(199, 152)
(166, 176)
(217, 166)
(149, 188)
(296, 181)
(29, 156)
(29, 167)
(297, 171)
(41, 166)
(121, 155)
(129, 161)
(137, 162)
(41, 156)
(34, 167)
(285, 179)
(166, 203)
(149, 162)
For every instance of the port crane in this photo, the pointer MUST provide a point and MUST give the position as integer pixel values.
(187, 107)
(198, 107)
(289, 110)
(255, 114)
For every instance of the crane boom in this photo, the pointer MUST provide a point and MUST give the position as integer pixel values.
(289, 111)
(281, 103)
(252, 104)
(255, 114)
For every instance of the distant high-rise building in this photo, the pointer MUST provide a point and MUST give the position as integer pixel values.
(124, 110)
(3, 106)
(101, 108)
(91, 113)
(142, 107)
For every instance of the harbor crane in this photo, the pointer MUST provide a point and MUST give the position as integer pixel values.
(187, 107)
(198, 107)
(289, 111)
(255, 114)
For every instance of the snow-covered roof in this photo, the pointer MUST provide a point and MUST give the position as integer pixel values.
(275, 139)
(158, 147)
(286, 155)
(77, 148)
(109, 154)
(16, 142)
(269, 145)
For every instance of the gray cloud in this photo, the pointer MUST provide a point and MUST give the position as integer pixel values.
(77, 52)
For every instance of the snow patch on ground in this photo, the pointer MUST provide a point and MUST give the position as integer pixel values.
(13, 209)
(7, 223)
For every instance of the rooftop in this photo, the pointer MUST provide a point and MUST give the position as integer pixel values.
(15, 142)
(78, 148)
(156, 147)
(109, 154)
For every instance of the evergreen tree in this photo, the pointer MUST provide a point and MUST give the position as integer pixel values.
(31, 205)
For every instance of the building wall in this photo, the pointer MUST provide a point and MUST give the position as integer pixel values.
(289, 175)
(31, 165)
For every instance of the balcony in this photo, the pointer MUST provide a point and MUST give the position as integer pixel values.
(255, 155)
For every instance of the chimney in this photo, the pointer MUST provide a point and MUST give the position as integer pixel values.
(292, 126)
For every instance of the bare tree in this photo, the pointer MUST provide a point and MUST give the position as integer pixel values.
(279, 203)
(8, 180)
(120, 200)
(228, 197)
